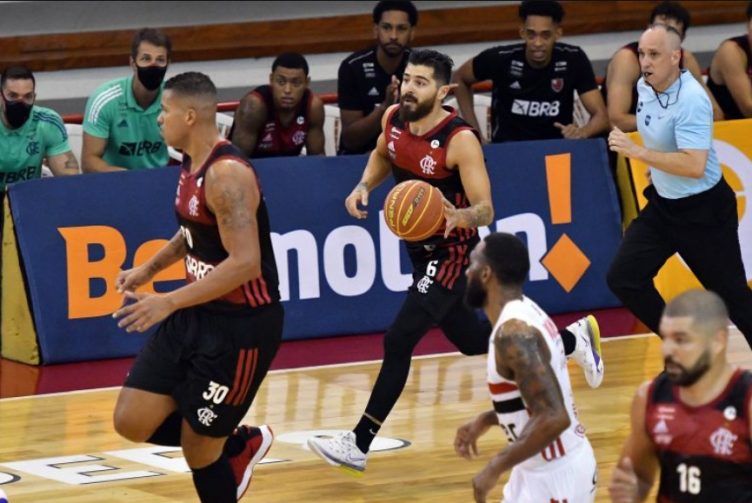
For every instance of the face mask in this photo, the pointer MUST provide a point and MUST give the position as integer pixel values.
(16, 112)
(151, 76)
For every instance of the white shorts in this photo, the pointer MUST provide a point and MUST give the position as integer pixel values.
(573, 480)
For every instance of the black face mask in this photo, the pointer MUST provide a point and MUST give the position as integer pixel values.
(151, 76)
(16, 112)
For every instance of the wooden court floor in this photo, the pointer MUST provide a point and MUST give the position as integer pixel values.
(62, 448)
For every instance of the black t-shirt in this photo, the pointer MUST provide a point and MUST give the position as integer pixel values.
(361, 83)
(526, 101)
(721, 92)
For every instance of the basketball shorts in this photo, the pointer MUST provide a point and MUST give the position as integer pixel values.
(439, 276)
(211, 363)
(572, 480)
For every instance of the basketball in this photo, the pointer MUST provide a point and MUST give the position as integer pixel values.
(413, 210)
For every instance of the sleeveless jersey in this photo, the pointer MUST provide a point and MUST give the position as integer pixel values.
(199, 226)
(274, 139)
(510, 408)
(424, 158)
(721, 92)
(705, 452)
(633, 47)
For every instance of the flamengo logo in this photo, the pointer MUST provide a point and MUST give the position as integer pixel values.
(427, 165)
(722, 441)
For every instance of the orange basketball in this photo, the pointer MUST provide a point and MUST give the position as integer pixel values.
(413, 210)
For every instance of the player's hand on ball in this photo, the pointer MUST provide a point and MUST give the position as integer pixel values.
(146, 310)
(359, 195)
(451, 215)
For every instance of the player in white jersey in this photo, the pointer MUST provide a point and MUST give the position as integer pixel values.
(549, 455)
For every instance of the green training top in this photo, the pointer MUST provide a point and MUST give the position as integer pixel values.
(22, 150)
(132, 133)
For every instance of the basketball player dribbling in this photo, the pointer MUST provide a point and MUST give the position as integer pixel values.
(422, 139)
(198, 374)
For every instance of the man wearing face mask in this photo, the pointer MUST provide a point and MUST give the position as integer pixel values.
(30, 133)
(120, 123)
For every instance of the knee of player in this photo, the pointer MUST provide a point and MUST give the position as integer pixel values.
(128, 426)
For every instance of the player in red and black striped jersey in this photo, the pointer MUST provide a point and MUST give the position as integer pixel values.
(281, 118)
(421, 139)
(694, 421)
(196, 377)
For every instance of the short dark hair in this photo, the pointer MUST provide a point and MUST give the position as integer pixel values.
(293, 60)
(706, 309)
(749, 11)
(17, 72)
(192, 84)
(672, 10)
(438, 61)
(154, 37)
(546, 8)
(508, 258)
(402, 5)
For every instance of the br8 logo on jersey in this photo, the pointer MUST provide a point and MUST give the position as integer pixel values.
(535, 108)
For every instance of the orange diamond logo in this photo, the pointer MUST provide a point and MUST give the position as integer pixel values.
(566, 262)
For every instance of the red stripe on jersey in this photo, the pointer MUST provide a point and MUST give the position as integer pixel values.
(502, 387)
(264, 290)
(244, 393)
(444, 265)
(246, 377)
(451, 266)
(249, 295)
(238, 372)
(256, 292)
(462, 252)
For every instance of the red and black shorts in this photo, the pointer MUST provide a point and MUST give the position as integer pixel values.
(439, 275)
(211, 363)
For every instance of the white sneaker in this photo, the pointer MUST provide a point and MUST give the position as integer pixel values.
(587, 350)
(340, 450)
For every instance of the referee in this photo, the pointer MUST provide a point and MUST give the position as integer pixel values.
(691, 209)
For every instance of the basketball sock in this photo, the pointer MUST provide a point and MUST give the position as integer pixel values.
(216, 483)
(168, 433)
(365, 431)
(234, 445)
(569, 341)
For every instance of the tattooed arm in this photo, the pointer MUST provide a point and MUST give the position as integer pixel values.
(522, 355)
(174, 250)
(464, 152)
(233, 196)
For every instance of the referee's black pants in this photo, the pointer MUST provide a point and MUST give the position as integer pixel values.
(703, 229)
